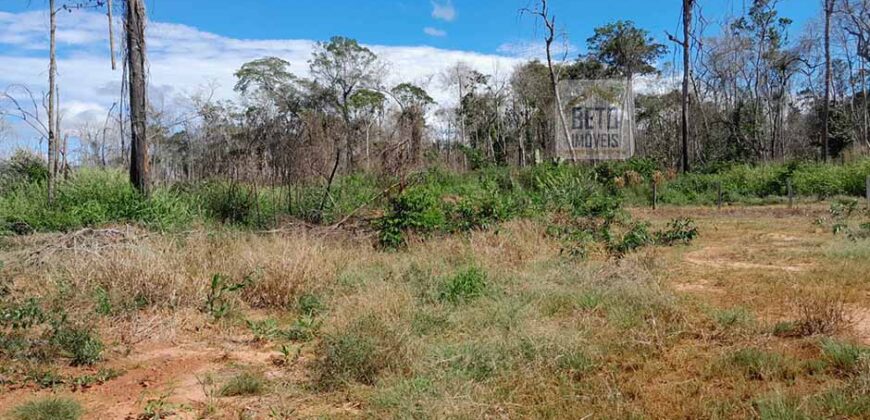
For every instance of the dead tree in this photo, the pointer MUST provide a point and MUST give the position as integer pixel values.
(52, 84)
(687, 74)
(135, 28)
(686, 44)
(111, 33)
(829, 11)
(550, 23)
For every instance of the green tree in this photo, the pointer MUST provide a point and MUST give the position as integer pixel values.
(341, 67)
(626, 49)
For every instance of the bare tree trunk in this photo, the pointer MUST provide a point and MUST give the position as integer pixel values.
(687, 74)
(57, 133)
(550, 23)
(64, 167)
(111, 34)
(136, 70)
(829, 10)
(52, 76)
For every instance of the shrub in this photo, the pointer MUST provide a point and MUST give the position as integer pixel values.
(49, 408)
(824, 314)
(360, 353)
(679, 231)
(416, 209)
(22, 168)
(81, 344)
(637, 236)
(244, 384)
(464, 286)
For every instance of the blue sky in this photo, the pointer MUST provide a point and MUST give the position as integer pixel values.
(475, 25)
(195, 46)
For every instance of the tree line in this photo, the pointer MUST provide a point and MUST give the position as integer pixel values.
(751, 92)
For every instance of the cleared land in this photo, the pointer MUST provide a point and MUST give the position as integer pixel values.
(766, 314)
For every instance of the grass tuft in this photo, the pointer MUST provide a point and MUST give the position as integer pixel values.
(49, 408)
(244, 384)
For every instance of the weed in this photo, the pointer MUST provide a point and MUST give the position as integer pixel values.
(310, 304)
(820, 314)
(464, 286)
(158, 408)
(842, 357)
(779, 407)
(679, 231)
(359, 353)
(575, 363)
(102, 376)
(217, 303)
(22, 316)
(304, 328)
(49, 408)
(760, 365)
(244, 384)
(104, 302)
(734, 317)
(81, 344)
(264, 330)
(44, 378)
(786, 329)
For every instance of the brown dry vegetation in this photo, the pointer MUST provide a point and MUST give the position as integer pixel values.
(760, 317)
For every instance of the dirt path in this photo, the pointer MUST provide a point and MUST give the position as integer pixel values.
(168, 374)
(737, 258)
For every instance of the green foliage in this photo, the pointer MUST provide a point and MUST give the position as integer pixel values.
(637, 236)
(416, 209)
(303, 329)
(21, 316)
(464, 286)
(22, 168)
(48, 408)
(626, 49)
(679, 231)
(263, 330)
(310, 304)
(89, 198)
(81, 344)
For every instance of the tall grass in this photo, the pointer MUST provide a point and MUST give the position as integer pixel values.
(438, 201)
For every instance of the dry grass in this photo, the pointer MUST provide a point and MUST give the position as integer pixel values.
(342, 330)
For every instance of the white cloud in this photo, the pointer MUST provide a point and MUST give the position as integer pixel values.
(443, 11)
(434, 32)
(183, 59)
(537, 50)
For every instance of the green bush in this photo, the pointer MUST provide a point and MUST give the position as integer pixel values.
(416, 209)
